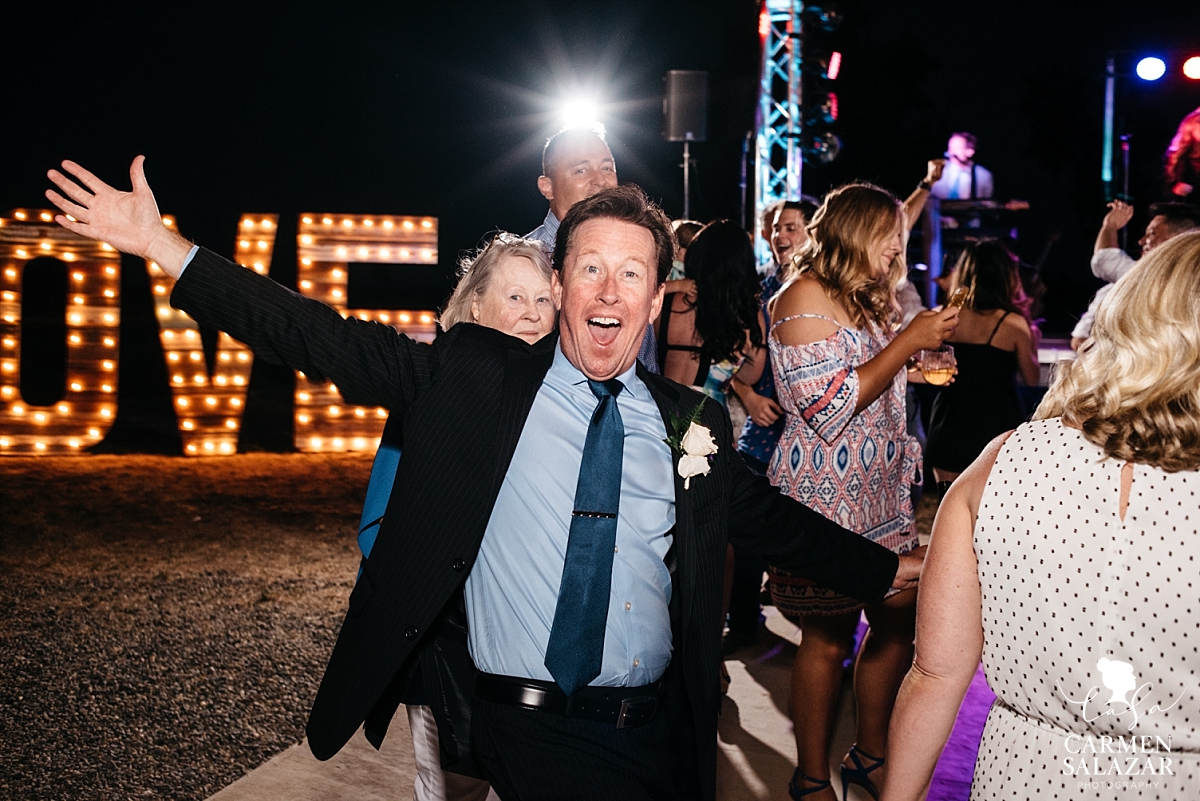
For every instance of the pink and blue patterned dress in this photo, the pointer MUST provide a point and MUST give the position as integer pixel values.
(853, 468)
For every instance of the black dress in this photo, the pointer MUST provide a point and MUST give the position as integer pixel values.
(981, 404)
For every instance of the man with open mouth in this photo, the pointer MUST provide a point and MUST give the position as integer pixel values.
(539, 479)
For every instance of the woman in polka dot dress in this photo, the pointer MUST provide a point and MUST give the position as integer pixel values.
(846, 453)
(1066, 557)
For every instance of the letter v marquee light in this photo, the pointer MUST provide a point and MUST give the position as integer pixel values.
(208, 409)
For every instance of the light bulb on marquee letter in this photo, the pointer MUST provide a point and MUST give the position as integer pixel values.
(87, 409)
(324, 421)
(208, 408)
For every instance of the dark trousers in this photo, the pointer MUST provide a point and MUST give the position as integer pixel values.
(748, 569)
(529, 755)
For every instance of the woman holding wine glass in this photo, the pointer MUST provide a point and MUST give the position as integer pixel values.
(845, 452)
(993, 344)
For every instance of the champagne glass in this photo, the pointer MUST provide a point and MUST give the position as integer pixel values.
(937, 365)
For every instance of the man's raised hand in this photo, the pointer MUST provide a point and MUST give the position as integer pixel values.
(129, 221)
(1118, 216)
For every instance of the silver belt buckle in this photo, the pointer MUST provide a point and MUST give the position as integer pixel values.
(625, 708)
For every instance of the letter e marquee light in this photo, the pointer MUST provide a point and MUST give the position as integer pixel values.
(327, 244)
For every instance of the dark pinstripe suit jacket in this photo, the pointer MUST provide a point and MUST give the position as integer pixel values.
(464, 401)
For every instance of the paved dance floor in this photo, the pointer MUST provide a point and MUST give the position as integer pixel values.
(756, 753)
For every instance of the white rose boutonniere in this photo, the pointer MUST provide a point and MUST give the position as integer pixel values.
(695, 445)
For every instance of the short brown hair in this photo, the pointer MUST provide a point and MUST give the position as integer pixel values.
(552, 151)
(1179, 217)
(626, 203)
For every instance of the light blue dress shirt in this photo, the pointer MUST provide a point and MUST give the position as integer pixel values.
(546, 233)
(188, 259)
(512, 590)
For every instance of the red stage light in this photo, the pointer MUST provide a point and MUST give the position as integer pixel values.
(764, 22)
(1191, 68)
(835, 66)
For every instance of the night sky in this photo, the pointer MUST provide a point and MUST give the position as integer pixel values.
(441, 109)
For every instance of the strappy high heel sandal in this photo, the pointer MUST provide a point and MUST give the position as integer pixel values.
(796, 789)
(858, 773)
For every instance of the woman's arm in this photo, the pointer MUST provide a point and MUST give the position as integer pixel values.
(805, 296)
(1027, 360)
(949, 641)
(915, 203)
(763, 410)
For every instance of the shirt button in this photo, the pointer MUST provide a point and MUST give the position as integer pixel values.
(458, 565)
(637, 662)
(410, 633)
(628, 606)
(616, 549)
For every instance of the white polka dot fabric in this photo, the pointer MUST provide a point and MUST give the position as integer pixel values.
(1091, 624)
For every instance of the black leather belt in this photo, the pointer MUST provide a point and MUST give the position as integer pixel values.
(624, 707)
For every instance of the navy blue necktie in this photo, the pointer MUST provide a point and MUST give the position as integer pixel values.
(576, 646)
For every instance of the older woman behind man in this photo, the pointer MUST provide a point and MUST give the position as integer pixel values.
(508, 285)
(1065, 557)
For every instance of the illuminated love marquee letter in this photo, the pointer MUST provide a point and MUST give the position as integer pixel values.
(208, 410)
(328, 244)
(87, 407)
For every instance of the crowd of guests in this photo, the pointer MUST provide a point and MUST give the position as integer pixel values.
(1061, 543)
(818, 353)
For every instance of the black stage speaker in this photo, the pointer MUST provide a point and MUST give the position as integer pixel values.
(685, 106)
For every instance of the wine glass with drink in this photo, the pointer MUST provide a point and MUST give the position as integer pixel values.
(937, 365)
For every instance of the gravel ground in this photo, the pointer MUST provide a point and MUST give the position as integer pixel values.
(164, 622)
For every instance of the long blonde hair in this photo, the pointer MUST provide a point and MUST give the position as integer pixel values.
(1135, 388)
(849, 222)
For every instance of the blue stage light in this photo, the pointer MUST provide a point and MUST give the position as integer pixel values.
(1151, 68)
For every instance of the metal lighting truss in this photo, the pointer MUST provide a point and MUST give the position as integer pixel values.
(777, 159)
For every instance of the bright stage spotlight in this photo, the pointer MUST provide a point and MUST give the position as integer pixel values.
(579, 114)
(1191, 68)
(1151, 68)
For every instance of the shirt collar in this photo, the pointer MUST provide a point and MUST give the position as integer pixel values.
(562, 370)
(551, 222)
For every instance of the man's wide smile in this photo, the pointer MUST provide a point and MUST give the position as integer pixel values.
(604, 330)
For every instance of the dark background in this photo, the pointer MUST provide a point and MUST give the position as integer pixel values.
(407, 108)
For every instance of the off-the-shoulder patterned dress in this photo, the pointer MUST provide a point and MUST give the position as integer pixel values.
(853, 468)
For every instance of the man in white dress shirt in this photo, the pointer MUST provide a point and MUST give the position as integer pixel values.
(1110, 261)
(962, 178)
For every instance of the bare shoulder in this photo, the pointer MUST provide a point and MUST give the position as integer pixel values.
(804, 295)
(1017, 324)
(1014, 331)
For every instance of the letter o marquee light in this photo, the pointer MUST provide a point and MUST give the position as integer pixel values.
(89, 405)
